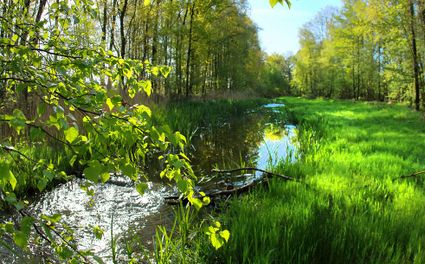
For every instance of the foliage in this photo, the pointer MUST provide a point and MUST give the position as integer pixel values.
(276, 76)
(364, 51)
(74, 95)
(212, 46)
(274, 2)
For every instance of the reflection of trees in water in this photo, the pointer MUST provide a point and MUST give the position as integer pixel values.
(274, 131)
(230, 143)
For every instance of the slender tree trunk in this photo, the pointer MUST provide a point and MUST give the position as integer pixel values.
(112, 34)
(105, 20)
(189, 52)
(414, 54)
(123, 12)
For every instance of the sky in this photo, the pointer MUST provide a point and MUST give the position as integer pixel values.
(279, 25)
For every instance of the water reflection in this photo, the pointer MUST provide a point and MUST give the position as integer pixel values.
(258, 139)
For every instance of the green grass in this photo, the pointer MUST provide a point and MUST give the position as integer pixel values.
(350, 209)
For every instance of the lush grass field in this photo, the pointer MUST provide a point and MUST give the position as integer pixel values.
(351, 207)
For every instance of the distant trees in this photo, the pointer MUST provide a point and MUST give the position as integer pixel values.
(212, 46)
(372, 50)
(276, 75)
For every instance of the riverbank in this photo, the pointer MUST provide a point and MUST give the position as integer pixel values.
(352, 206)
(221, 133)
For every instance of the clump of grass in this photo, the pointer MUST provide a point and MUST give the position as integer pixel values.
(349, 208)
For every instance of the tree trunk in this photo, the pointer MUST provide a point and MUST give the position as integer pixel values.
(414, 54)
(189, 52)
(105, 20)
(123, 12)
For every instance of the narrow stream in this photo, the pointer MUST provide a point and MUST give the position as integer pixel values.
(260, 138)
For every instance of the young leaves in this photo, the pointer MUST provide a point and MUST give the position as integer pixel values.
(71, 134)
(6, 176)
(274, 2)
(217, 236)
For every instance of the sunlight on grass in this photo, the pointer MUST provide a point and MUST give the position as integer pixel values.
(350, 209)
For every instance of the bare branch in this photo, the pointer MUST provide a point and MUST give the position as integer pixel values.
(256, 169)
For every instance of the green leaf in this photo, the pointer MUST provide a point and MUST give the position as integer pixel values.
(12, 180)
(104, 177)
(94, 170)
(206, 200)
(225, 234)
(15, 38)
(128, 73)
(72, 160)
(21, 237)
(18, 120)
(147, 87)
(196, 202)
(41, 184)
(141, 187)
(147, 2)
(217, 242)
(144, 109)
(6, 176)
(273, 2)
(71, 134)
(155, 70)
(130, 171)
(109, 104)
(165, 71)
(183, 186)
(51, 219)
(98, 232)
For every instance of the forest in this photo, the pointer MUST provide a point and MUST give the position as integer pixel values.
(160, 131)
(368, 50)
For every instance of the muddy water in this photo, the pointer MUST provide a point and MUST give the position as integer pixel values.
(260, 138)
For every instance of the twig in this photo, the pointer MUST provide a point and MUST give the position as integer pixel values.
(410, 175)
(12, 149)
(256, 169)
(57, 234)
(51, 136)
(38, 231)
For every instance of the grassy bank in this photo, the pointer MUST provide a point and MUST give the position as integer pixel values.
(351, 208)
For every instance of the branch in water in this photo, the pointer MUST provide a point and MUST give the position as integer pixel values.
(255, 169)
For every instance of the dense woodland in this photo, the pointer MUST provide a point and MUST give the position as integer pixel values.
(210, 46)
(368, 50)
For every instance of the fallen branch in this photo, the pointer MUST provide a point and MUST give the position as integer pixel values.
(410, 175)
(256, 169)
(230, 190)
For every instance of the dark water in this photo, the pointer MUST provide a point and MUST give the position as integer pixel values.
(260, 138)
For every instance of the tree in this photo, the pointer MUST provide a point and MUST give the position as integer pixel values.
(370, 52)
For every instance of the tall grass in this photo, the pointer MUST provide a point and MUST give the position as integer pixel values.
(190, 116)
(350, 208)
